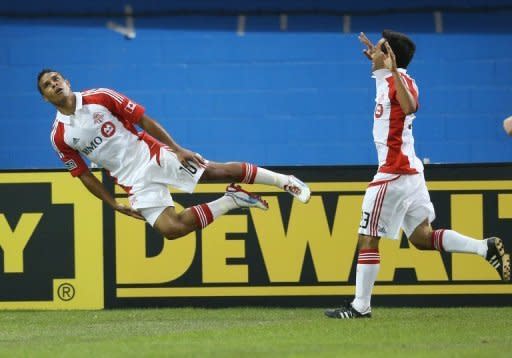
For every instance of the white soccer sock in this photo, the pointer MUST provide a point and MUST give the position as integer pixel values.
(452, 241)
(368, 265)
(221, 206)
(265, 176)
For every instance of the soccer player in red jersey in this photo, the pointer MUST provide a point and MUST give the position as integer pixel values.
(397, 197)
(103, 126)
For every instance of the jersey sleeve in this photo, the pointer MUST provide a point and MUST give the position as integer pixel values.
(69, 156)
(122, 107)
(411, 86)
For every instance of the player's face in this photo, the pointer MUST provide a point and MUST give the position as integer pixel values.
(378, 56)
(54, 87)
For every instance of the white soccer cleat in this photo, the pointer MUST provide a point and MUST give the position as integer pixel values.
(298, 189)
(243, 199)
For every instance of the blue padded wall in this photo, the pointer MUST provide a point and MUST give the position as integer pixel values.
(270, 97)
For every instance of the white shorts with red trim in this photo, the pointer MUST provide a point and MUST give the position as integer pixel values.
(394, 201)
(151, 190)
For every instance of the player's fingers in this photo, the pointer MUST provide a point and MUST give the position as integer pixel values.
(200, 162)
(200, 159)
(365, 40)
(390, 50)
(136, 215)
(367, 54)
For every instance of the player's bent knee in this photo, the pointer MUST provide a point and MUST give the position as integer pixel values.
(421, 245)
(174, 233)
(421, 240)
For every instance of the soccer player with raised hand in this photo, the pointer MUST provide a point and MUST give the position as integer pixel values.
(397, 197)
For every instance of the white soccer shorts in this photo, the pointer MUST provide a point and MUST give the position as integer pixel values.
(394, 201)
(150, 194)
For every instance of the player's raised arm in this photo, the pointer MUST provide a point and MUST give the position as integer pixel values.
(403, 94)
(156, 130)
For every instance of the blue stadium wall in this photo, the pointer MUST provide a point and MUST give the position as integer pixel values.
(274, 93)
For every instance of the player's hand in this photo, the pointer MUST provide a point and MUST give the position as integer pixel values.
(370, 48)
(185, 156)
(128, 211)
(389, 58)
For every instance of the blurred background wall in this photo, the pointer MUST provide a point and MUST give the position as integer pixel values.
(271, 82)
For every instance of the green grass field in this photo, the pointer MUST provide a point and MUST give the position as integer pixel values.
(256, 332)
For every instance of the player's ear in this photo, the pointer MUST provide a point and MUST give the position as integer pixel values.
(67, 82)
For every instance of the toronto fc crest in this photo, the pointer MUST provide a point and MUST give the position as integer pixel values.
(98, 117)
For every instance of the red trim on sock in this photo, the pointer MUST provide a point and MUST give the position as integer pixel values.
(253, 173)
(244, 172)
(365, 251)
(196, 214)
(368, 257)
(203, 215)
(248, 173)
(436, 240)
(208, 213)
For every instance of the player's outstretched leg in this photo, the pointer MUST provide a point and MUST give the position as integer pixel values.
(173, 225)
(497, 257)
(252, 174)
(234, 198)
(492, 249)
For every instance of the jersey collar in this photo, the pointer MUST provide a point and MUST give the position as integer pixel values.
(384, 72)
(79, 104)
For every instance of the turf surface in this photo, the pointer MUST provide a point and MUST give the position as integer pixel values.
(256, 332)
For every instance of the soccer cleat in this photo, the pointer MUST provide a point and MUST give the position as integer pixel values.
(498, 258)
(244, 199)
(347, 312)
(298, 189)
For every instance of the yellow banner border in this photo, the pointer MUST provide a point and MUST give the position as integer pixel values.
(173, 292)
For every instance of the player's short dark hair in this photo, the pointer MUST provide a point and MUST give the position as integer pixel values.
(43, 72)
(402, 46)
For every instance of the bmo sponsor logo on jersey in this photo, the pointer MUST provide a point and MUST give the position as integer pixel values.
(92, 145)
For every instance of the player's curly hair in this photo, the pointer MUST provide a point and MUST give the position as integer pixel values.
(402, 46)
(43, 72)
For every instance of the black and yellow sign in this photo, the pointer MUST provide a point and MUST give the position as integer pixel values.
(61, 248)
(297, 250)
(51, 243)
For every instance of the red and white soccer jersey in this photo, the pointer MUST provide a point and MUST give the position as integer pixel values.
(103, 130)
(398, 196)
(392, 129)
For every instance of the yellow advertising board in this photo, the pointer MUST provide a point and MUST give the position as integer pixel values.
(309, 250)
(51, 243)
(60, 248)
